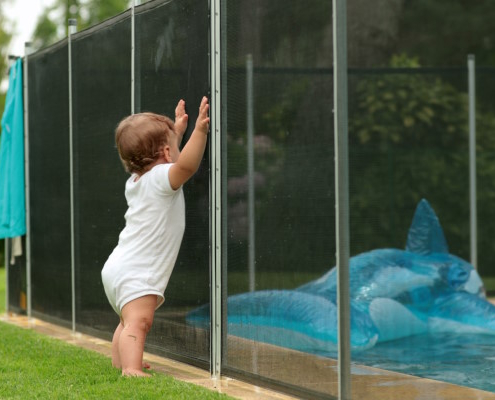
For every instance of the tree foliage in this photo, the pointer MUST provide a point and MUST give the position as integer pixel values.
(52, 24)
(5, 37)
(444, 32)
(409, 107)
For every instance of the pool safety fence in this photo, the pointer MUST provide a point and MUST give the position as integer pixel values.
(306, 165)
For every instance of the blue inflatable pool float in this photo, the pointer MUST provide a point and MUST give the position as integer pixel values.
(394, 293)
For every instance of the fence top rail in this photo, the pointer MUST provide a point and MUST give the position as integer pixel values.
(149, 5)
(45, 51)
(102, 25)
(86, 32)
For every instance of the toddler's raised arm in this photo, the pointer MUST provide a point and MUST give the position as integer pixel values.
(189, 159)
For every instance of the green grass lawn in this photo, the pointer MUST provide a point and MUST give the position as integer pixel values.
(37, 367)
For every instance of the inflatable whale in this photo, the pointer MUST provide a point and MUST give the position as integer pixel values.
(394, 293)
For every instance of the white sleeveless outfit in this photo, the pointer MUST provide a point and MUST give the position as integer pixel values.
(145, 256)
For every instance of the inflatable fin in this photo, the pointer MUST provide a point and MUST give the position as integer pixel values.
(426, 234)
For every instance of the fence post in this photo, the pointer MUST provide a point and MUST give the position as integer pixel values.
(6, 256)
(27, 51)
(250, 173)
(472, 160)
(342, 194)
(215, 192)
(72, 30)
(223, 143)
(135, 87)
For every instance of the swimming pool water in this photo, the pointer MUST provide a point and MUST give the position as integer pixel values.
(466, 359)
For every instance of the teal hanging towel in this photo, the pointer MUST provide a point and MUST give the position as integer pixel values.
(12, 200)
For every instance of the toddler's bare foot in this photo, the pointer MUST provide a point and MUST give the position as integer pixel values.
(144, 366)
(135, 372)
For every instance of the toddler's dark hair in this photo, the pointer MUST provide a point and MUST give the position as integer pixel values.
(140, 139)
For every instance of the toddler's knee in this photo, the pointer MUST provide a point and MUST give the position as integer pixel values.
(146, 322)
(142, 324)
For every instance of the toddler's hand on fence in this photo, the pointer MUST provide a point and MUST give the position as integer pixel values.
(203, 121)
(181, 118)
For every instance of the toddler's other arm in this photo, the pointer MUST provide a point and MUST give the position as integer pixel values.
(190, 158)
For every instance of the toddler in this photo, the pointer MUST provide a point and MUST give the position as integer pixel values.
(137, 272)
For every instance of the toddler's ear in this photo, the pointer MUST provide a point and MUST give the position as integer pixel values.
(166, 153)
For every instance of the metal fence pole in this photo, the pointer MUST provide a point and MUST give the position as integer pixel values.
(342, 194)
(72, 30)
(251, 188)
(27, 51)
(472, 160)
(7, 295)
(224, 180)
(215, 191)
(133, 43)
(250, 172)
(134, 51)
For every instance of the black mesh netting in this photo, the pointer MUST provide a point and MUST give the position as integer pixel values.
(101, 98)
(172, 64)
(50, 183)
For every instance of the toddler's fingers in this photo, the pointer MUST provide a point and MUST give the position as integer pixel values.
(203, 110)
(181, 108)
(204, 102)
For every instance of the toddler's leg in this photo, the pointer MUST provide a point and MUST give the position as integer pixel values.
(115, 346)
(137, 317)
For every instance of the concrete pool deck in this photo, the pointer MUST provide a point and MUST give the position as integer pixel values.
(280, 364)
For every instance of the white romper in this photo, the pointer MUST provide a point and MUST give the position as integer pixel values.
(145, 256)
